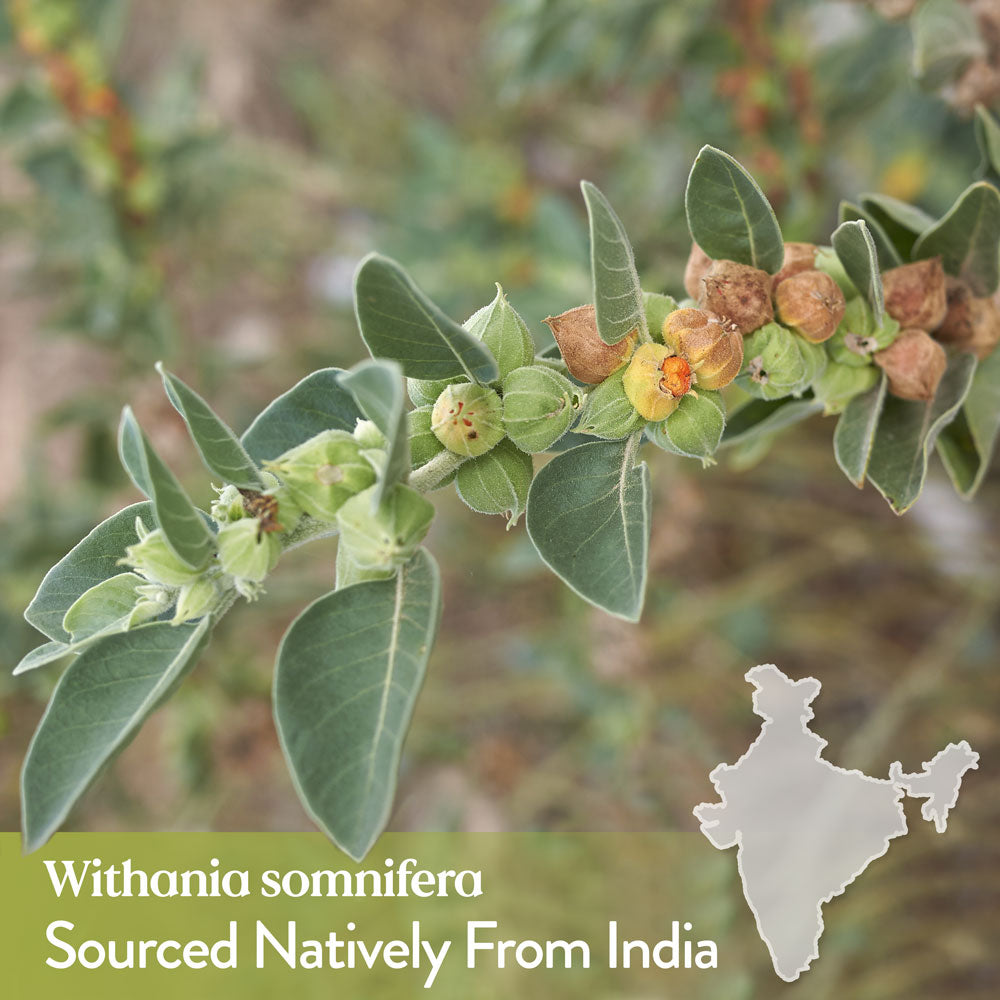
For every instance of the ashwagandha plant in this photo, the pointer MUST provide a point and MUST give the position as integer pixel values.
(892, 328)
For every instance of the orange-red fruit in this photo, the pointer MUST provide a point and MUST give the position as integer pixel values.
(587, 357)
(676, 376)
(915, 363)
(971, 324)
(915, 294)
(812, 304)
(697, 266)
(715, 354)
(738, 294)
(799, 257)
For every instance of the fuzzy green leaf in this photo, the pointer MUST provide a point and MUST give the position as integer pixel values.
(966, 445)
(377, 388)
(900, 221)
(399, 322)
(855, 248)
(888, 254)
(89, 562)
(988, 137)
(107, 604)
(183, 526)
(218, 446)
(318, 403)
(497, 482)
(729, 216)
(618, 300)
(907, 432)
(967, 239)
(98, 706)
(348, 673)
(589, 518)
(855, 434)
(761, 417)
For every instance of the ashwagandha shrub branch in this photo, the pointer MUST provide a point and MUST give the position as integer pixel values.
(891, 329)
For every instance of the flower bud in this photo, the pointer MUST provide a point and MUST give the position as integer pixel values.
(799, 257)
(971, 324)
(425, 392)
(323, 472)
(858, 337)
(738, 294)
(468, 419)
(714, 353)
(539, 405)
(387, 537)
(154, 560)
(368, 436)
(655, 381)
(587, 357)
(839, 384)
(503, 331)
(247, 552)
(915, 294)
(778, 363)
(195, 600)
(497, 482)
(608, 412)
(914, 363)
(811, 304)
(698, 263)
(694, 429)
(228, 506)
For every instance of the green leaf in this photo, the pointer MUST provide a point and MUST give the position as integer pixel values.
(966, 445)
(618, 300)
(93, 559)
(377, 388)
(988, 137)
(497, 482)
(907, 432)
(855, 248)
(762, 417)
(968, 239)
(105, 605)
(347, 676)
(900, 221)
(218, 446)
(945, 39)
(855, 434)
(98, 706)
(728, 214)
(42, 655)
(318, 403)
(183, 526)
(589, 518)
(399, 322)
(888, 255)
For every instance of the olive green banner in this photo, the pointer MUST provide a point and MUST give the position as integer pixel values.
(248, 915)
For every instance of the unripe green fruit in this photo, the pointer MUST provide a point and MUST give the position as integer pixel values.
(195, 600)
(539, 405)
(778, 363)
(497, 482)
(246, 551)
(424, 392)
(608, 412)
(503, 331)
(839, 384)
(658, 307)
(424, 444)
(324, 472)
(154, 560)
(694, 429)
(468, 419)
(858, 337)
(387, 537)
(368, 436)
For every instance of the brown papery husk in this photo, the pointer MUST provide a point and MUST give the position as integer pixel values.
(811, 303)
(587, 357)
(738, 294)
(915, 294)
(914, 363)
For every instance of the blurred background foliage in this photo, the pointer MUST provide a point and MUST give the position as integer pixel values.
(196, 182)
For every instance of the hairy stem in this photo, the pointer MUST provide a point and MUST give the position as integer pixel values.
(432, 474)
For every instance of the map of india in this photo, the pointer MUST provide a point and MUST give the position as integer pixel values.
(804, 828)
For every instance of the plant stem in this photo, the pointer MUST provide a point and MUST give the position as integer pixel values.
(432, 474)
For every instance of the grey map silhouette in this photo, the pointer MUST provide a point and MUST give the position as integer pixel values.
(805, 828)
